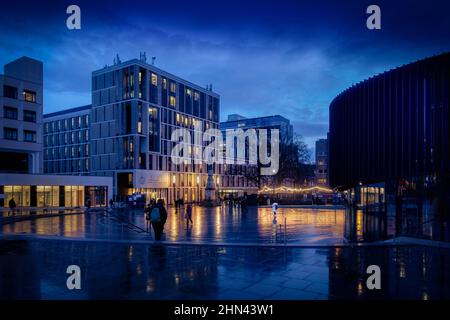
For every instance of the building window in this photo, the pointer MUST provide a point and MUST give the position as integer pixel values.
(173, 87)
(10, 133)
(29, 116)
(10, 113)
(164, 83)
(9, 92)
(29, 136)
(29, 96)
(154, 80)
(172, 101)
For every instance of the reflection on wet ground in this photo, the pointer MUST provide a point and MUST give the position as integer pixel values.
(36, 269)
(210, 225)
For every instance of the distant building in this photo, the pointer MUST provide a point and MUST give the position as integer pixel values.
(66, 141)
(21, 116)
(321, 171)
(236, 121)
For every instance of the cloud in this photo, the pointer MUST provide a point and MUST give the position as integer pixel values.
(289, 58)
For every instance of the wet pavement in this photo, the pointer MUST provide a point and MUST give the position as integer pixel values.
(36, 269)
(296, 226)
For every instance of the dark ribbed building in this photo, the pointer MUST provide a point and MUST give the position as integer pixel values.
(389, 145)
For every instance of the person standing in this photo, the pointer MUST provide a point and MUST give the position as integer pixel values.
(188, 215)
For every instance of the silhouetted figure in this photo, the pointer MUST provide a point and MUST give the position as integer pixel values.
(188, 215)
(158, 217)
(147, 211)
(12, 206)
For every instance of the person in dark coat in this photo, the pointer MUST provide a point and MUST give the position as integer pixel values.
(12, 205)
(158, 216)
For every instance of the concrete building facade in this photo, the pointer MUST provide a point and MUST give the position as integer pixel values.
(21, 102)
(22, 147)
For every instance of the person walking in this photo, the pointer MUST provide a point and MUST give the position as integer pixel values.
(163, 212)
(274, 209)
(158, 217)
(12, 206)
(147, 211)
(188, 215)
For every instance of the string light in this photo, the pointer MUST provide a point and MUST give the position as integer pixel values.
(285, 189)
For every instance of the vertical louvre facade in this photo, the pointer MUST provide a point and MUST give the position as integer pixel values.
(389, 146)
(392, 126)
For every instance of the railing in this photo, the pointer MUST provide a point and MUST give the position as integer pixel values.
(126, 223)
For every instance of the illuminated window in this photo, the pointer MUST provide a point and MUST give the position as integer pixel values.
(164, 82)
(196, 96)
(139, 126)
(173, 87)
(154, 80)
(172, 101)
(178, 118)
(29, 96)
(189, 92)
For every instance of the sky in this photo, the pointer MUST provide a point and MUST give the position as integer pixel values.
(263, 57)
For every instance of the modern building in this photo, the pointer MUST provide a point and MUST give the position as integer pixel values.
(236, 121)
(135, 109)
(389, 146)
(22, 147)
(21, 116)
(54, 191)
(321, 170)
(66, 141)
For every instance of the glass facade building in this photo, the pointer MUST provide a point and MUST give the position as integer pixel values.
(389, 136)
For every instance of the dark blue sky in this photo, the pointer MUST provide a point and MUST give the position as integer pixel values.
(262, 57)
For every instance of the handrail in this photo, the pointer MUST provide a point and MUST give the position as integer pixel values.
(124, 220)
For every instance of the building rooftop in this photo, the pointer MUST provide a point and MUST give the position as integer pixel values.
(66, 111)
(232, 118)
(157, 70)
